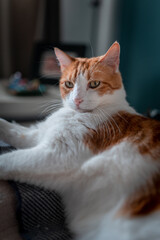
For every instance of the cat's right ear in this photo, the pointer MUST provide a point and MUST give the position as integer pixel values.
(63, 58)
(111, 58)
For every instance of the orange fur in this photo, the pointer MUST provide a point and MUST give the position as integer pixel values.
(139, 130)
(144, 201)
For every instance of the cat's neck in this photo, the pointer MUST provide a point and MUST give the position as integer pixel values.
(116, 102)
(107, 112)
(113, 109)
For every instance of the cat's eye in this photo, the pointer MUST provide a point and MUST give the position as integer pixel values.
(69, 84)
(94, 84)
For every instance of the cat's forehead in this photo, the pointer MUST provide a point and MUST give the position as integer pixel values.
(80, 68)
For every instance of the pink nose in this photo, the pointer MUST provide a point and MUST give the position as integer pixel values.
(78, 101)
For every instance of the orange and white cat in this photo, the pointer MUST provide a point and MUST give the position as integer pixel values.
(96, 151)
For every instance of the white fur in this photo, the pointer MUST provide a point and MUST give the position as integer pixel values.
(93, 187)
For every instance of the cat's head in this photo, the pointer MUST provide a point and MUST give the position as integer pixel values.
(87, 83)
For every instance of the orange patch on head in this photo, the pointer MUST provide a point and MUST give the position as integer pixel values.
(141, 131)
(107, 71)
(110, 80)
(144, 201)
(77, 67)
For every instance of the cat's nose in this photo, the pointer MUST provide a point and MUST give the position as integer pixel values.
(78, 101)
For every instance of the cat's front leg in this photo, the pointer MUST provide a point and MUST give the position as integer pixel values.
(17, 135)
(38, 165)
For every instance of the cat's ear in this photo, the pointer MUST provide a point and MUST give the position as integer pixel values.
(111, 58)
(63, 58)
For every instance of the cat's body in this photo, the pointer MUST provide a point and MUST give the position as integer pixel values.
(96, 151)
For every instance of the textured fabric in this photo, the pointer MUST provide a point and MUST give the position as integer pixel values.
(9, 227)
(40, 213)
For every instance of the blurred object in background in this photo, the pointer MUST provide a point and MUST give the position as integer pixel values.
(20, 86)
(95, 24)
(155, 114)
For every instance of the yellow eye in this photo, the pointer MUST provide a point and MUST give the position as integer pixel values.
(69, 84)
(94, 84)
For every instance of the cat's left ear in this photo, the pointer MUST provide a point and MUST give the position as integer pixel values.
(111, 58)
(63, 58)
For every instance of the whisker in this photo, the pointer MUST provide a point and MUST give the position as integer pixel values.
(114, 122)
(105, 123)
(51, 106)
(102, 119)
(111, 125)
(122, 117)
(92, 53)
(49, 76)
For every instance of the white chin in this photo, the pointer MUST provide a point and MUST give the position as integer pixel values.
(83, 110)
(79, 109)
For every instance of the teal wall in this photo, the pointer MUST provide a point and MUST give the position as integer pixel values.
(139, 36)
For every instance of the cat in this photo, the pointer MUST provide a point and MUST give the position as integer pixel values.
(96, 151)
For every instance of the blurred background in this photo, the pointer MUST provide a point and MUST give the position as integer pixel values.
(81, 27)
